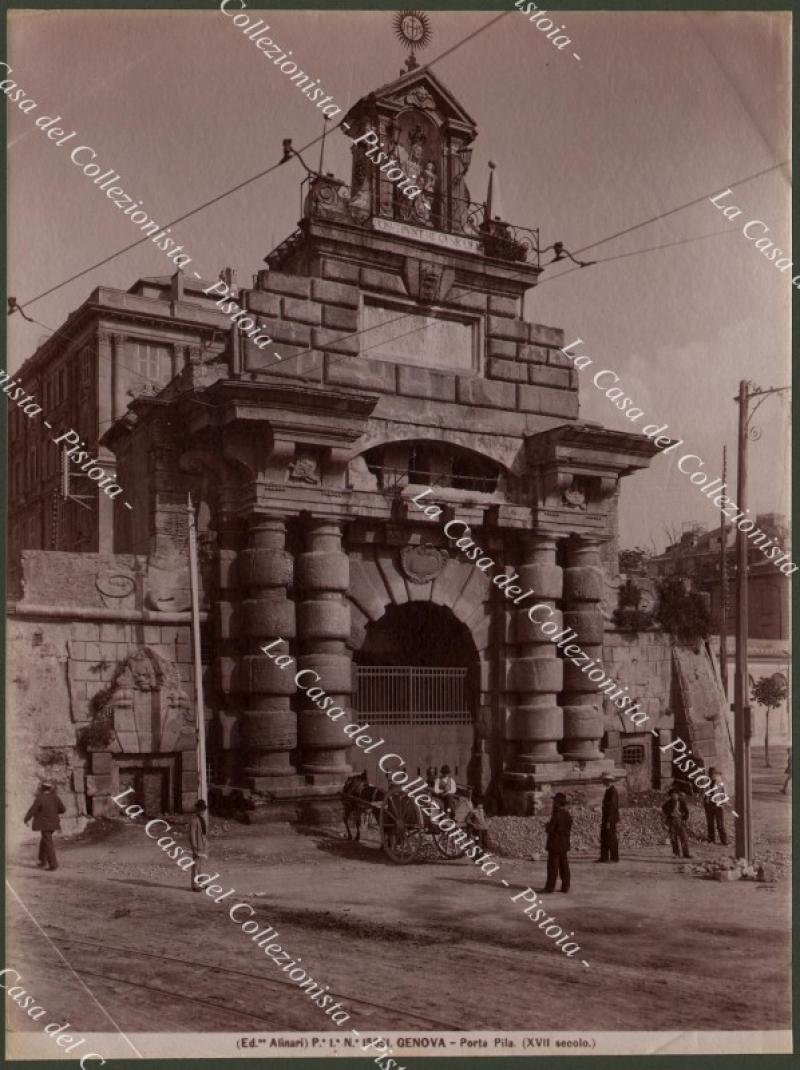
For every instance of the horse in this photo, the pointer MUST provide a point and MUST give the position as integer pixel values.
(357, 794)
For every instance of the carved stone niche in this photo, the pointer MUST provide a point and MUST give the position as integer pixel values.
(143, 738)
(146, 709)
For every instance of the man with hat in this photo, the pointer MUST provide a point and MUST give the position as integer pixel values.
(676, 816)
(45, 812)
(557, 845)
(715, 818)
(609, 818)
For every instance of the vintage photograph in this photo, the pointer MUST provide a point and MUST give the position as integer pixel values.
(397, 529)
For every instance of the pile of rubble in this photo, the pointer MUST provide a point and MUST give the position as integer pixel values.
(733, 869)
(524, 837)
(639, 826)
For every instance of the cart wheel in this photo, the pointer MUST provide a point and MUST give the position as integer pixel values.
(401, 828)
(445, 845)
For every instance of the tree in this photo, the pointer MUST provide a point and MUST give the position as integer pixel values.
(769, 692)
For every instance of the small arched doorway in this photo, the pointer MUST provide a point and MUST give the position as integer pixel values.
(416, 683)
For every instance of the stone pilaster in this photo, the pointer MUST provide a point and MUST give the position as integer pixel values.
(268, 723)
(323, 620)
(120, 374)
(583, 592)
(535, 676)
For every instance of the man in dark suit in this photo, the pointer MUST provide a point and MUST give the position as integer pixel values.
(609, 818)
(45, 812)
(715, 818)
(676, 815)
(557, 846)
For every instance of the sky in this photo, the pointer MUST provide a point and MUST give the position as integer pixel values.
(661, 109)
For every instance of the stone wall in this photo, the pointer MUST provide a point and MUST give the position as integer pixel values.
(314, 323)
(647, 664)
(65, 645)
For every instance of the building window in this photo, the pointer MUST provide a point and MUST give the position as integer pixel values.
(87, 354)
(153, 362)
(633, 754)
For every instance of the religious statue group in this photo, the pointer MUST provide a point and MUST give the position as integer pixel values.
(421, 172)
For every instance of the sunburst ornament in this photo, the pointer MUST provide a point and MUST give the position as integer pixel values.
(413, 30)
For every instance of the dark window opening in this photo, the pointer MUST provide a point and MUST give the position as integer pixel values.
(434, 464)
(633, 754)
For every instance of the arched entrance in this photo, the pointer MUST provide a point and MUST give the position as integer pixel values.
(416, 683)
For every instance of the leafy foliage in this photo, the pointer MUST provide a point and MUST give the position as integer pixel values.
(97, 734)
(627, 616)
(48, 756)
(769, 691)
(681, 613)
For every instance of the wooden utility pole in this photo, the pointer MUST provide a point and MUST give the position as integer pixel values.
(741, 703)
(741, 684)
(194, 584)
(723, 581)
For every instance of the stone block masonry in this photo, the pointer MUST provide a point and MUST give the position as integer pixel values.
(315, 322)
(66, 669)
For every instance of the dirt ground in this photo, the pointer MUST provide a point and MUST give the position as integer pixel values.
(435, 945)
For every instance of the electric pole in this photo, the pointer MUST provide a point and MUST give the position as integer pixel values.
(723, 580)
(744, 832)
(741, 694)
(202, 785)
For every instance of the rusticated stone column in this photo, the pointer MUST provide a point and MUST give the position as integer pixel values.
(226, 636)
(583, 592)
(536, 672)
(323, 624)
(269, 725)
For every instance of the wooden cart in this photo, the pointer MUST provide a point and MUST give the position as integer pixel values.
(403, 828)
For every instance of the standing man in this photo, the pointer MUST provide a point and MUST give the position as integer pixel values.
(198, 839)
(45, 812)
(609, 818)
(715, 818)
(558, 830)
(676, 814)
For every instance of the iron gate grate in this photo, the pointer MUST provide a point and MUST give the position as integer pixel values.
(410, 695)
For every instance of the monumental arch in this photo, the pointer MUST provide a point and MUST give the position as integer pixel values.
(401, 361)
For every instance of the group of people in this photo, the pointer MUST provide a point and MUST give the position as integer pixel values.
(675, 813)
(47, 808)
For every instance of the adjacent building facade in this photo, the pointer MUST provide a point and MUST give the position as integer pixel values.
(113, 348)
(697, 557)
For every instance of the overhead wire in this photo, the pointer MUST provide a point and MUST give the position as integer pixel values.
(246, 182)
(355, 334)
(619, 256)
(638, 252)
(689, 204)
